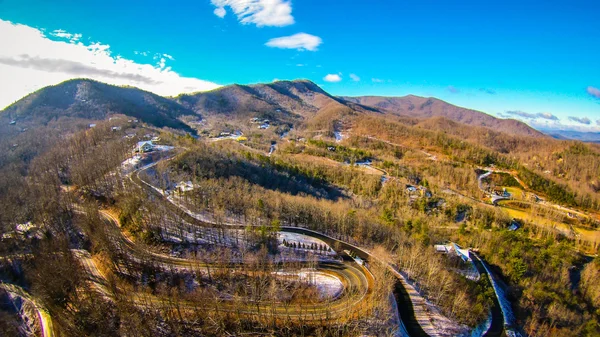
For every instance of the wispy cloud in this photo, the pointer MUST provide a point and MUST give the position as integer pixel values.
(30, 60)
(377, 80)
(582, 120)
(354, 77)
(488, 91)
(594, 92)
(300, 41)
(452, 89)
(332, 78)
(547, 115)
(539, 115)
(276, 13)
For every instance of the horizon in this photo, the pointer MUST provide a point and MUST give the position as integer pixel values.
(482, 58)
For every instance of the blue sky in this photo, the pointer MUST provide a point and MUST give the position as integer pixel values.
(538, 61)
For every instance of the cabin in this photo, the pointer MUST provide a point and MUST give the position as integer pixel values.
(264, 126)
(13, 122)
(116, 128)
(145, 146)
(155, 139)
(184, 186)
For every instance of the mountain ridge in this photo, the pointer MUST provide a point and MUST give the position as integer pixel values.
(291, 102)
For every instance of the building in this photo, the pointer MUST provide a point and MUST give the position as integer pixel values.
(13, 122)
(184, 186)
(145, 146)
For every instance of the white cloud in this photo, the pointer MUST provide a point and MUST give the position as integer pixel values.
(300, 41)
(354, 77)
(377, 80)
(64, 35)
(29, 60)
(332, 78)
(259, 12)
(220, 12)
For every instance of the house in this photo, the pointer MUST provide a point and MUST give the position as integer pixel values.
(225, 134)
(116, 128)
(24, 228)
(264, 126)
(443, 248)
(13, 122)
(331, 148)
(92, 125)
(255, 120)
(410, 188)
(184, 186)
(155, 139)
(145, 146)
(514, 225)
(462, 253)
(241, 139)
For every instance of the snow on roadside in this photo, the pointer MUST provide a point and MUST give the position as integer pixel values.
(328, 286)
(131, 163)
(306, 240)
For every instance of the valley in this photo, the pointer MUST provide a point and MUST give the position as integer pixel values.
(279, 209)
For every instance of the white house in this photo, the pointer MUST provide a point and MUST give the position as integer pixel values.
(185, 186)
(145, 146)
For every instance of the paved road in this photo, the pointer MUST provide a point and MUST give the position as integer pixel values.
(46, 327)
(415, 317)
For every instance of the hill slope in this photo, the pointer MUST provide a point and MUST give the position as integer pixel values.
(91, 100)
(422, 107)
(286, 101)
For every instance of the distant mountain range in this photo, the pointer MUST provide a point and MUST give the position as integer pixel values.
(591, 137)
(293, 102)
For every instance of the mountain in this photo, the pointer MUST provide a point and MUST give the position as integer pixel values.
(422, 107)
(590, 137)
(299, 102)
(91, 100)
(286, 101)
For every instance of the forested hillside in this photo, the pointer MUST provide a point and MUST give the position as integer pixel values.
(309, 223)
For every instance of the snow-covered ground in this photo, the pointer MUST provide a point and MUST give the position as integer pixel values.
(130, 164)
(327, 285)
(163, 147)
(303, 239)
